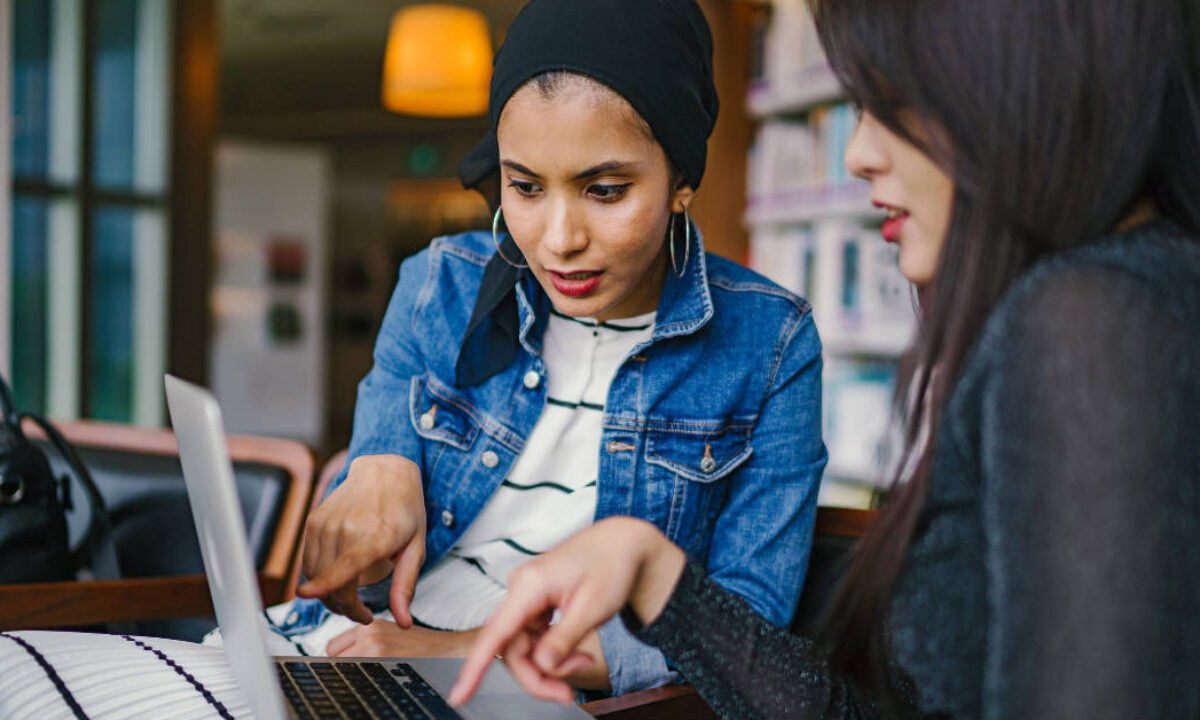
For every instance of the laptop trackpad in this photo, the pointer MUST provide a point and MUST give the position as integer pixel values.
(499, 698)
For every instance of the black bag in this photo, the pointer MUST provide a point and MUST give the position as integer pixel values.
(34, 504)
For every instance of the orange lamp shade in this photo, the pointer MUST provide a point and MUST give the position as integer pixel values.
(438, 62)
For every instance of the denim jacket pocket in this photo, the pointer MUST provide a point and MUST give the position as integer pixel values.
(703, 452)
(440, 414)
(691, 460)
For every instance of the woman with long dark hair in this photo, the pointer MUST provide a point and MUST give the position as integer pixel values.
(1039, 161)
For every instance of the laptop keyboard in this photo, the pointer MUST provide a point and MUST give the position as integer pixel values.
(369, 690)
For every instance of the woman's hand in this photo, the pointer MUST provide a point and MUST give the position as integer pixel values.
(371, 525)
(589, 578)
(383, 638)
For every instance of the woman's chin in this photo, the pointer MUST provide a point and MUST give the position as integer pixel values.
(915, 267)
(578, 307)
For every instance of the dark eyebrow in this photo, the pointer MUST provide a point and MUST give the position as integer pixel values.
(602, 168)
(519, 168)
(606, 167)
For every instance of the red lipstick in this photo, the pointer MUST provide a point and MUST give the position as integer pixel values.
(893, 223)
(576, 284)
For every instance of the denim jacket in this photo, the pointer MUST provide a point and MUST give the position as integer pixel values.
(711, 429)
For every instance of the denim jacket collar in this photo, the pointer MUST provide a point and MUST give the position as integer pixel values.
(685, 304)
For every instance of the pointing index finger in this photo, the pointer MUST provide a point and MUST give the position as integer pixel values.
(518, 608)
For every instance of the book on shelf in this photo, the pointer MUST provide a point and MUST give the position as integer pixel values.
(858, 402)
(791, 42)
(815, 232)
(787, 63)
(862, 304)
(786, 255)
(789, 157)
(866, 298)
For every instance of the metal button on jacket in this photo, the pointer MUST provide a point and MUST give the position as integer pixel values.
(489, 459)
(427, 421)
(448, 518)
(708, 464)
(532, 379)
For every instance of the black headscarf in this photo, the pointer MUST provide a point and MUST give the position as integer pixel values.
(657, 54)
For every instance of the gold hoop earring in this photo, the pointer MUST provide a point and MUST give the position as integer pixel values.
(687, 244)
(496, 240)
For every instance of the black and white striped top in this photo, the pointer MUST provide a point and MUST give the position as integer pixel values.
(80, 676)
(550, 493)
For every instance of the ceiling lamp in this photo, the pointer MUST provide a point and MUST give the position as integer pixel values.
(438, 62)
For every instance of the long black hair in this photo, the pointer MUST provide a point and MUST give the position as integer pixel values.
(1054, 118)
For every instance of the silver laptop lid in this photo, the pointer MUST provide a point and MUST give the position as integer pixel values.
(208, 474)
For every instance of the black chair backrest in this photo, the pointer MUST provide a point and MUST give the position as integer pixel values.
(152, 521)
(837, 531)
(826, 565)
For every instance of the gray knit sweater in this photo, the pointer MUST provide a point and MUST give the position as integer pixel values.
(1056, 572)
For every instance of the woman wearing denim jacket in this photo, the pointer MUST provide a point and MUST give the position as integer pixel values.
(707, 419)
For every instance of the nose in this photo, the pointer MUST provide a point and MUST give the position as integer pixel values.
(865, 156)
(565, 234)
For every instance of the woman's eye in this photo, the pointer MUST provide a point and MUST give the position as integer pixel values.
(527, 189)
(608, 193)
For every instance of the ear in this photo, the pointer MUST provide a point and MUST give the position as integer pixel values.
(681, 196)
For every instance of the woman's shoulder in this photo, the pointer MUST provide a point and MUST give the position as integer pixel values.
(1154, 267)
(438, 285)
(737, 285)
(1122, 287)
(448, 262)
(472, 249)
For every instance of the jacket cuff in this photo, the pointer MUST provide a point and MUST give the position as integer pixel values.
(632, 664)
(376, 597)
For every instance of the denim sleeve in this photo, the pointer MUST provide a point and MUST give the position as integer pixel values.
(761, 540)
(632, 664)
(382, 425)
(381, 414)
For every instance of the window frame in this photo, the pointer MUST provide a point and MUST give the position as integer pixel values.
(71, 262)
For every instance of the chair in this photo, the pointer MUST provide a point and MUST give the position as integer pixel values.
(835, 533)
(163, 586)
(329, 471)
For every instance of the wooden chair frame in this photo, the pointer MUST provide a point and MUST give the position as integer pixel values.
(69, 604)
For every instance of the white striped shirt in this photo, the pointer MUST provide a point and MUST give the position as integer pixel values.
(550, 493)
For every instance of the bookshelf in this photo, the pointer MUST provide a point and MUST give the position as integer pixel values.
(806, 88)
(814, 230)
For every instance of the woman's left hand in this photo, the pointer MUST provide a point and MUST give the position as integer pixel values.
(384, 638)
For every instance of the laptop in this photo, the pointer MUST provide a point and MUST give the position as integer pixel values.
(309, 687)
